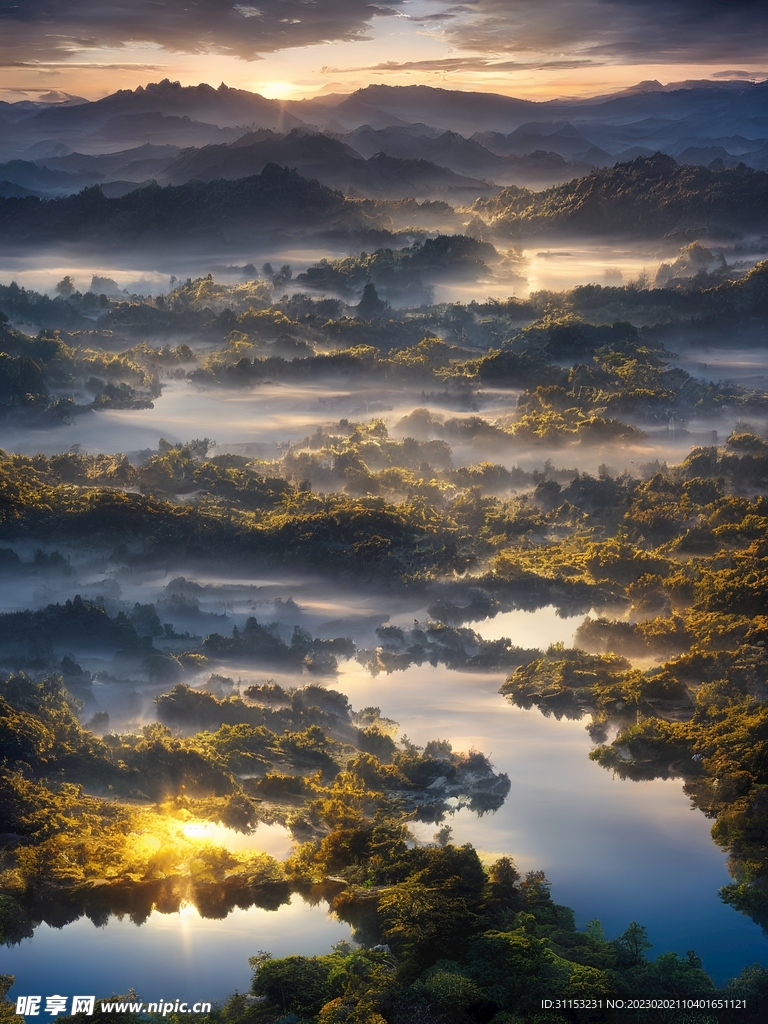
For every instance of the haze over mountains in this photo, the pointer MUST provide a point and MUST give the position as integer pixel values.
(648, 198)
(379, 142)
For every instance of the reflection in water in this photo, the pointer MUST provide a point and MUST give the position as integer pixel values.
(559, 269)
(535, 269)
(536, 629)
(272, 839)
(170, 956)
(615, 850)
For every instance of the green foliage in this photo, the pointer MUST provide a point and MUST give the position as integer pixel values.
(14, 923)
(8, 1013)
(401, 272)
(568, 682)
(313, 778)
(646, 197)
(276, 196)
(677, 665)
(444, 956)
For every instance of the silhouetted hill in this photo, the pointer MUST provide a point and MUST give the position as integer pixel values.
(222, 106)
(448, 149)
(110, 163)
(394, 178)
(448, 109)
(416, 122)
(11, 190)
(649, 197)
(554, 137)
(159, 129)
(402, 161)
(645, 119)
(41, 179)
(160, 112)
(251, 153)
(194, 212)
(718, 103)
(539, 167)
(329, 160)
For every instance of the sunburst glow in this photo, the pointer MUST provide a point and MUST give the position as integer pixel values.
(276, 90)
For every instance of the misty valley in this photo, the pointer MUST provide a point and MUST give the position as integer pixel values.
(384, 554)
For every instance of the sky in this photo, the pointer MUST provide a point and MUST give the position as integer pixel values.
(291, 49)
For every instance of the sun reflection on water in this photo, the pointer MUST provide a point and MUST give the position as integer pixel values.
(273, 839)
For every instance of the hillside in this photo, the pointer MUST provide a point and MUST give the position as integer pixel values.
(330, 160)
(649, 197)
(196, 211)
(689, 116)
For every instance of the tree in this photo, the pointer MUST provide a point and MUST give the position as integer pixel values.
(443, 835)
(8, 1013)
(294, 982)
(66, 286)
(370, 306)
(632, 945)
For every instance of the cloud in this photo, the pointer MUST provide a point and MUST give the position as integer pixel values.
(51, 30)
(531, 31)
(70, 65)
(739, 74)
(647, 31)
(465, 64)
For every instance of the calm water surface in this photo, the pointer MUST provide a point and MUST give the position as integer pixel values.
(171, 956)
(615, 850)
(618, 851)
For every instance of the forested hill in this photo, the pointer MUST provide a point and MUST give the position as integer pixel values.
(276, 198)
(649, 197)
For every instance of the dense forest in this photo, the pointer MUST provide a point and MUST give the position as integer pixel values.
(384, 513)
(113, 351)
(276, 198)
(443, 937)
(456, 504)
(648, 197)
(645, 197)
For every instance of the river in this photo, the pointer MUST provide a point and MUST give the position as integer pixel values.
(614, 850)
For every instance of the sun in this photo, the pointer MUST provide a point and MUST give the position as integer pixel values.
(276, 90)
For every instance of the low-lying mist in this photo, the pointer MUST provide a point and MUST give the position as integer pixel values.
(520, 270)
(231, 504)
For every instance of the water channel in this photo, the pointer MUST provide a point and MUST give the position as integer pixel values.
(614, 850)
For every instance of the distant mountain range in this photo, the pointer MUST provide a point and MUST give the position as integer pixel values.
(329, 160)
(449, 144)
(315, 155)
(393, 165)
